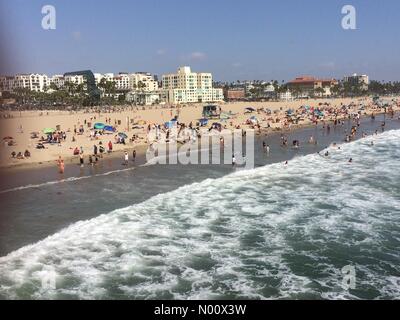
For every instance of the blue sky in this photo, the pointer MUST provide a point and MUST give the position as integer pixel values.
(252, 39)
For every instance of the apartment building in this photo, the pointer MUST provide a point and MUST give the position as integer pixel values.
(189, 87)
(144, 81)
(355, 79)
(34, 82)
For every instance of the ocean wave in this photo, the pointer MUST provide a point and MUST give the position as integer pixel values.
(279, 231)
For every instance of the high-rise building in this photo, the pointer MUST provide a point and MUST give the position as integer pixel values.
(188, 87)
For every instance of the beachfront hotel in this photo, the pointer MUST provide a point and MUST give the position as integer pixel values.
(186, 86)
(309, 86)
(34, 82)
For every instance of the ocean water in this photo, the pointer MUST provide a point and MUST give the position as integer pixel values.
(275, 232)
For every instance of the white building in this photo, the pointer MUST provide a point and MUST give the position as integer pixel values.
(58, 81)
(6, 83)
(76, 79)
(122, 82)
(190, 87)
(286, 96)
(147, 98)
(355, 79)
(143, 81)
(34, 82)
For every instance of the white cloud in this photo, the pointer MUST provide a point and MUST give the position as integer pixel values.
(236, 64)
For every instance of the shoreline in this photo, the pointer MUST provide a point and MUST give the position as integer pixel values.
(16, 177)
(275, 123)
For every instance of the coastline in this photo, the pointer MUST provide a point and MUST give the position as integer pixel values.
(134, 122)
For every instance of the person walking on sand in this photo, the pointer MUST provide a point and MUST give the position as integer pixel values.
(110, 147)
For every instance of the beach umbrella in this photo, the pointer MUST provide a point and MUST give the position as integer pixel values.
(48, 130)
(99, 126)
(169, 124)
(8, 138)
(109, 128)
(250, 109)
(122, 135)
(203, 122)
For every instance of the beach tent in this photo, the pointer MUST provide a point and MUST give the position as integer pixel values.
(99, 126)
(210, 111)
(48, 130)
(109, 128)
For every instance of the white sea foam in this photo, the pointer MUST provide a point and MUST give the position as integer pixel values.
(280, 231)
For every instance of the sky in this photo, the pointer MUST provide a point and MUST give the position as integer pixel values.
(235, 40)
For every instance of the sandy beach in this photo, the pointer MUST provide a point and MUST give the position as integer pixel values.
(134, 121)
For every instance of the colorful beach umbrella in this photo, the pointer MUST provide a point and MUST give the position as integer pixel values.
(49, 130)
(99, 126)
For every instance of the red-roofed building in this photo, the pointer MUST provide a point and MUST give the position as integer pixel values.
(308, 86)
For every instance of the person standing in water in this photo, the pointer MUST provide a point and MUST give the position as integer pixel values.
(233, 160)
(81, 159)
(134, 155)
(60, 163)
(126, 158)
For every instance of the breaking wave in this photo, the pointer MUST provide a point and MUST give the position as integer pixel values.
(279, 231)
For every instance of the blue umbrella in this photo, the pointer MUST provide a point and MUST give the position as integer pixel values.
(109, 128)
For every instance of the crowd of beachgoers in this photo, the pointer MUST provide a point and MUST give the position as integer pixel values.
(44, 136)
